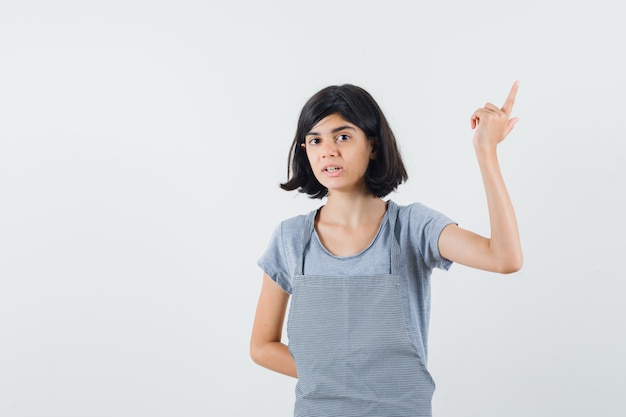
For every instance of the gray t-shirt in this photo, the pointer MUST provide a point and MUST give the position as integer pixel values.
(418, 228)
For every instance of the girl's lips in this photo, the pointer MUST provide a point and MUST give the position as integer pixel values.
(332, 171)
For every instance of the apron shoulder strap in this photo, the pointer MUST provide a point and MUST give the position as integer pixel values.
(307, 232)
(392, 213)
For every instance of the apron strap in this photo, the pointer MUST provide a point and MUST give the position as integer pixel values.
(392, 210)
(307, 233)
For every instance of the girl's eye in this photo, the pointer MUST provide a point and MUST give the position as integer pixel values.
(314, 141)
(342, 138)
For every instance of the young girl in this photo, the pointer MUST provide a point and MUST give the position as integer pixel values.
(358, 268)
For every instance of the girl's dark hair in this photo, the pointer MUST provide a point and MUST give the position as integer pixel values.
(358, 107)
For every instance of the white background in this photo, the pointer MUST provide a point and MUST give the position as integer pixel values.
(141, 147)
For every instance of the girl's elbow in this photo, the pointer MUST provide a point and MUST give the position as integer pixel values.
(511, 264)
(256, 353)
(510, 269)
(260, 353)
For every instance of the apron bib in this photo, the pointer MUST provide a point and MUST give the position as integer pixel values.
(350, 341)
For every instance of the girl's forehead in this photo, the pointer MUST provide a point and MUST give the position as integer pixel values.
(330, 122)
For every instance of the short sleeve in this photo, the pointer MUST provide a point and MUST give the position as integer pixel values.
(275, 263)
(425, 229)
(432, 232)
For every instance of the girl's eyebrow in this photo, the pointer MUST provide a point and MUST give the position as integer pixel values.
(335, 130)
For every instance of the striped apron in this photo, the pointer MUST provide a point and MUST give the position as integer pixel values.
(350, 341)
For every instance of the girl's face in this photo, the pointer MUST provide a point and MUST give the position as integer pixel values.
(339, 153)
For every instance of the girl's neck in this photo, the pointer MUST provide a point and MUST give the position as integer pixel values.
(351, 208)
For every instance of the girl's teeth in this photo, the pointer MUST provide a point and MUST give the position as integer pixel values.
(333, 169)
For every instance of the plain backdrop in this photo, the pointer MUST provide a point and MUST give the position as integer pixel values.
(141, 147)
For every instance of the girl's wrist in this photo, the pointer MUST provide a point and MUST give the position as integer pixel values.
(485, 151)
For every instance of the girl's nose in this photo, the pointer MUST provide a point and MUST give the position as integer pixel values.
(329, 148)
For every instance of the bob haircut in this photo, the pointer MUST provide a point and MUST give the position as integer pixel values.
(357, 106)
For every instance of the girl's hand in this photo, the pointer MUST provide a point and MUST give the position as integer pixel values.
(492, 124)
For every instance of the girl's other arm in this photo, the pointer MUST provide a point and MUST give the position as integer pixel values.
(502, 252)
(266, 348)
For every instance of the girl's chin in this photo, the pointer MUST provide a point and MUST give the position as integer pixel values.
(352, 189)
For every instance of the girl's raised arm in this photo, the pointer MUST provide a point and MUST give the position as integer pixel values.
(502, 252)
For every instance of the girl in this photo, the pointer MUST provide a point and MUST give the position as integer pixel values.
(358, 267)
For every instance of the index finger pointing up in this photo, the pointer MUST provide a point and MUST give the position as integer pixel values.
(508, 104)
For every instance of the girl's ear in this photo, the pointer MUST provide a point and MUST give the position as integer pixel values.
(374, 142)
